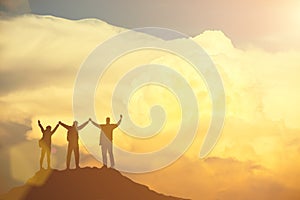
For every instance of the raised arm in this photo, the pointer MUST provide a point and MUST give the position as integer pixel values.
(53, 131)
(40, 125)
(94, 123)
(83, 125)
(120, 120)
(64, 125)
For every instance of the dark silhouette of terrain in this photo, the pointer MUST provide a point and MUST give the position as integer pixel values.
(85, 184)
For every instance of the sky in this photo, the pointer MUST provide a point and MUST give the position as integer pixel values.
(257, 156)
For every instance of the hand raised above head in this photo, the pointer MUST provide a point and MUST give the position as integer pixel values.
(121, 116)
(59, 122)
(90, 119)
(39, 121)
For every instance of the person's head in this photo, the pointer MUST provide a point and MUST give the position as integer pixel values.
(75, 123)
(48, 128)
(107, 120)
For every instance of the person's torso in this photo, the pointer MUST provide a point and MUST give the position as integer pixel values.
(47, 137)
(72, 135)
(107, 129)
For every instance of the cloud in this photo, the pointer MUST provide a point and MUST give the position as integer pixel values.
(15, 6)
(48, 53)
(218, 178)
(11, 134)
(270, 25)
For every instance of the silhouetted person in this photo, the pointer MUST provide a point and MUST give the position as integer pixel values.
(73, 141)
(106, 139)
(45, 143)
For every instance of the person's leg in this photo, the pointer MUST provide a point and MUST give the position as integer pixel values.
(69, 156)
(76, 154)
(48, 157)
(111, 155)
(104, 152)
(42, 157)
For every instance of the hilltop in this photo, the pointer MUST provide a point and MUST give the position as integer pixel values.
(84, 183)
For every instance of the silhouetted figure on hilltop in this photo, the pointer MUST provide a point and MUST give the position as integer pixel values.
(106, 139)
(45, 143)
(72, 138)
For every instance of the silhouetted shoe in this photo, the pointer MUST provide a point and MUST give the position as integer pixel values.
(104, 166)
(78, 167)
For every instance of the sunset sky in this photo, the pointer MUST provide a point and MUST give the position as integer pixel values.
(254, 45)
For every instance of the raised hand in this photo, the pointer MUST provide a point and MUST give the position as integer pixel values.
(40, 125)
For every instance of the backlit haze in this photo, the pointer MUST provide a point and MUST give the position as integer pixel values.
(258, 154)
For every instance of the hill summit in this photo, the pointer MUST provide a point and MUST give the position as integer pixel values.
(85, 183)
